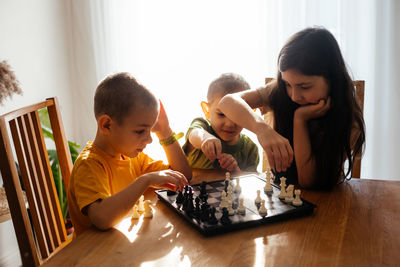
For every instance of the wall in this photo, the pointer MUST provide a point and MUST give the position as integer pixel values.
(34, 42)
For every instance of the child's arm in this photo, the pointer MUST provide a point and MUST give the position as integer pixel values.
(206, 142)
(228, 162)
(305, 160)
(238, 108)
(106, 213)
(175, 155)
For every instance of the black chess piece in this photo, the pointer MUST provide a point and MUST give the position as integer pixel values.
(197, 210)
(205, 212)
(213, 219)
(226, 186)
(203, 191)
(179, 198)
(225, 217)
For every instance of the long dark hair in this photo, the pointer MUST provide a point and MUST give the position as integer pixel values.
(315, 51)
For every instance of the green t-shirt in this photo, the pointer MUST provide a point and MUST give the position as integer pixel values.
(245, 151)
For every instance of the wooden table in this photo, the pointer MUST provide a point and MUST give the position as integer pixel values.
(356, 224)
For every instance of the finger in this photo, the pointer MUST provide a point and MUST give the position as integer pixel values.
(270, 157)
(290, 153)
(277, 158)
(218, 149)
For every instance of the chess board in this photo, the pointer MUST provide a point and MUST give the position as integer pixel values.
(278, 210)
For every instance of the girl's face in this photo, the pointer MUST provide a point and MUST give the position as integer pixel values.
(304, 89)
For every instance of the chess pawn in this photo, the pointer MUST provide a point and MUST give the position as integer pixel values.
(283, 182)
(289, 194)
(135, 214)
(231, 211)
(237, 187)
(258, 198)
(148, 211)
(241, 209)
(262, 210)
(223, 203)
(227, 175)
(268, 187)
(297, 200)
(140, 205)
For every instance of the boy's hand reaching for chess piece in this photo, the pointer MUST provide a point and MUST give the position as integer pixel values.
(228, 162)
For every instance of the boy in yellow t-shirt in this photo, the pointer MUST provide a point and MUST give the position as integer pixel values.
(112, 172)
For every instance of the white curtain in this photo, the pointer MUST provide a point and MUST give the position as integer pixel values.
(177, 47)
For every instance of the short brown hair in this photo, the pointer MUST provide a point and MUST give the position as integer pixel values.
(118, 94)
(227, 83)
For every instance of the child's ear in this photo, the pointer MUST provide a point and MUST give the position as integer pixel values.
(104, 123)
(206, 109)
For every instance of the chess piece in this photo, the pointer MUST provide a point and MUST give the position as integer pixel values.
(223, 203)
(289, 194)
(213, 219)
(231, 211)
(297, 200)
(282, 193)
(148, 211)
(262, 210)
(225, 217)
(179, 198)
(268, 187)
(227, 175)
(140, 205)
(258, 198)
(241, 209)
(237, 187)
(205, 212)
(135, 214)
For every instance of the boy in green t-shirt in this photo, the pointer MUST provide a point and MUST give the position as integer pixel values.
(216, 142)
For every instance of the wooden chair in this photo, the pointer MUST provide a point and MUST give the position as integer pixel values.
(42, 235)
(359, 85)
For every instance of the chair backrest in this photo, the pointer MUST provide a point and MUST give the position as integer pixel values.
(41, 233)
(359, 86)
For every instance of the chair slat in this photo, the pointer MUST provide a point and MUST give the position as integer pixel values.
(59, 233)
(64, 155)
(36, 142)
(18, 132)
(16, 201)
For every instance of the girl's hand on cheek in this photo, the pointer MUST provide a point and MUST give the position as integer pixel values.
(312, 111)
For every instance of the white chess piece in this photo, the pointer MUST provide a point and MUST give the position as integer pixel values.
(229, 192)
(282, 194)
(241, 209)
(224, 201)
(262, 210)
(135, 214)
(231, 211)
(297, 200)
(289, 194)
(148, 211)
(227, 175)
(140, 205)
(258, 198)
(237, 188)
(268, 187)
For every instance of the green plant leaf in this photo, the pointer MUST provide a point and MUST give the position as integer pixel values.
(44, 118)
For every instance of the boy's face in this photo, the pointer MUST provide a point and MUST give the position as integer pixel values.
(224, 127)
(132, 136)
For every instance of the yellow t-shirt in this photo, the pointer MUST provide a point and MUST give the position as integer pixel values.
(96, 175)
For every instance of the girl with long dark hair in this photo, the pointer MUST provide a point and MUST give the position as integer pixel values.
(318, 123)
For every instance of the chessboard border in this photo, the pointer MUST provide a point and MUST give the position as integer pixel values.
(211, 230)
